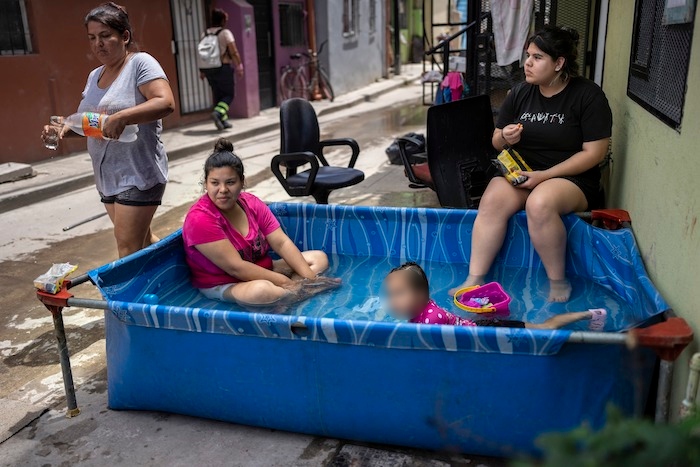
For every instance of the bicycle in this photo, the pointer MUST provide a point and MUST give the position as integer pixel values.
(294, 81)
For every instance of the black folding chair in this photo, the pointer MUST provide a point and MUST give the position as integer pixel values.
(459, 152)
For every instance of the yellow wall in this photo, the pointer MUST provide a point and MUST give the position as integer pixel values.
(656, 176)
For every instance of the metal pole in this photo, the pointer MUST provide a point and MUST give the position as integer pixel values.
(691, 392)
(446, 59)
(397, 39)
(587, 337)
(89, 303)
(311, 24)
(64, 356)
(663, 394)
(311, 33)
(84, 221)
(473, 14)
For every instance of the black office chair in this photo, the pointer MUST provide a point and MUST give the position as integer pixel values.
(301, 145)
(459, 152)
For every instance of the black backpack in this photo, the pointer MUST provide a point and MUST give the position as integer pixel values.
(394, 155)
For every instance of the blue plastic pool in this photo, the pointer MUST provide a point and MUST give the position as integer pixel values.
(478, 390)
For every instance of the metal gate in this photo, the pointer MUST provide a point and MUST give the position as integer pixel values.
(577, 14)
(189, 21)
(476, 45)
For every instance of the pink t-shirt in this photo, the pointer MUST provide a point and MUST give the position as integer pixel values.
(433, 314)
(205, 224)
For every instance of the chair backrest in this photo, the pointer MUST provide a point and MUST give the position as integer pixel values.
(298, 128)
(459, 148)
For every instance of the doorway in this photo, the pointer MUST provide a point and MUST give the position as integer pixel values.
(267, 81)
(189, 21)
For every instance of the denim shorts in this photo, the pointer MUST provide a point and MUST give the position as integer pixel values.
(135, 197)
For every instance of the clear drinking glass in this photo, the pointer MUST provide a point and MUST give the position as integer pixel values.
(53, 135)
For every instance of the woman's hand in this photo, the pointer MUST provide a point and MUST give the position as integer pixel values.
(49, 131)
(511, 133)
(533, 178)
(113, 127)
(55, 127)
(286, 282)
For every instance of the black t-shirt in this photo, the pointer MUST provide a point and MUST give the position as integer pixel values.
(555, 128)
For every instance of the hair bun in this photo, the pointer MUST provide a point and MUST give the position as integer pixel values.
(222, 144)
(573, 33)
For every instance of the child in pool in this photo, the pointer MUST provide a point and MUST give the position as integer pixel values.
(409, 298)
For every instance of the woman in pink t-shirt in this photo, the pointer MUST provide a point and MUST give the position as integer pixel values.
(228, 234)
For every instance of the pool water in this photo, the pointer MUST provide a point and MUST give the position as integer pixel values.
(360, 296)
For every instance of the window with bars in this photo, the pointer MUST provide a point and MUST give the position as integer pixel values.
(14, 29)
(372, 16)
(659, 61)
(292, 24)
(350, 17)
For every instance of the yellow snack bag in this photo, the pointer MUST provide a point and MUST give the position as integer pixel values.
(509, 162)
(52, 279)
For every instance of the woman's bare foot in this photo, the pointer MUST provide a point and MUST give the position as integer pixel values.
(471, 281)
(598, 317)
(559, 290)
(302, 289)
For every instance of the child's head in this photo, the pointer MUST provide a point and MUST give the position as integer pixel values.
(408, 290)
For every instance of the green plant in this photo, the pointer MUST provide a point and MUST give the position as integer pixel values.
(622, 442)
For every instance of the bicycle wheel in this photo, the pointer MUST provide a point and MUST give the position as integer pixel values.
(325, 85)
(300, 86)
(287, 83)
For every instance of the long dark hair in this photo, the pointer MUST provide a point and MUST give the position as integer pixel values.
(223, 156)
(557, 42)
(418, 279)
(115, 17)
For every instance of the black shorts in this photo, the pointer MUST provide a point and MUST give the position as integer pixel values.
(500, 323)
(135, 197)
(590, 190)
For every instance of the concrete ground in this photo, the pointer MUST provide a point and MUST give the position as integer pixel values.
(33, 428)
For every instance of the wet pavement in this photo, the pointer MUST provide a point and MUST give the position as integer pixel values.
(33, 237)
(30, 380)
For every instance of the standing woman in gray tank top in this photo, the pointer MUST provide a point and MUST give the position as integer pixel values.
(131, 87)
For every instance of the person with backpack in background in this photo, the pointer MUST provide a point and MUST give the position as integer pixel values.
(216, 52)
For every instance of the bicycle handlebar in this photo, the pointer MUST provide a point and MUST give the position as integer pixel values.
(297, 56)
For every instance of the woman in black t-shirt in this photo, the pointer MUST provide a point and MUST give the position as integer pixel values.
(560, 124)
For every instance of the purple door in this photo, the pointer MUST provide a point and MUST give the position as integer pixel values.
(290, 31)
(265, 37)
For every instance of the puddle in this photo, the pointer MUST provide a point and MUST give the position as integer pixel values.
(385, 124)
